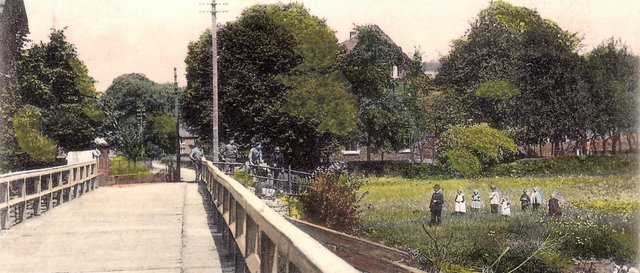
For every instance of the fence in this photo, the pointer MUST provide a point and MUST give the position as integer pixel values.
(263, 241)
(284, 180)
(30, 193)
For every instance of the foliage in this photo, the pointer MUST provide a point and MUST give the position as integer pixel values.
(442, 109)
(396, 209)
(510, 50)
(385, 118)
(26, 125)
(611, 73)
(277, 84)
(139, 113)
(331, 201)
(463, 161)
(121, 166)
(398, 169)
(296, 209)
(591, 165)
(493, 89)
(54, 80)
(470, 148)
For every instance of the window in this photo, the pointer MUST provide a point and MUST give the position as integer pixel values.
(352, 148)
(394, 72)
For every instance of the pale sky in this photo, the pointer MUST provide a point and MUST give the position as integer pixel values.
(115, 37)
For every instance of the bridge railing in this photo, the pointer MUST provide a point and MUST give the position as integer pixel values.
(284, 180)
(30, 193)
(266, 242)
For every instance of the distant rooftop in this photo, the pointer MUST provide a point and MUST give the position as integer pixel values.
(184, 133)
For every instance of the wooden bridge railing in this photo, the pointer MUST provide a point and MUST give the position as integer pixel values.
(263, 240)
(30, 193)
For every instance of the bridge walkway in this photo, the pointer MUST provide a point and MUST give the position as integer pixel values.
(134, 228)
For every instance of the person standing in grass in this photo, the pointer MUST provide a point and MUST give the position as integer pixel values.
(436, 204)
(476, 201)
(460, 206)
(554, 206)
(536, 199)
(505, 207)
(494, 200)
(525, 201)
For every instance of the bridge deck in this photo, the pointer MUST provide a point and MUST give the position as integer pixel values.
(141, 228)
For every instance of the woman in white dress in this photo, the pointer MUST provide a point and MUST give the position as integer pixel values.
(460, 203)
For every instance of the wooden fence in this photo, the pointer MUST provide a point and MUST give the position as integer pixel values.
(30, 193)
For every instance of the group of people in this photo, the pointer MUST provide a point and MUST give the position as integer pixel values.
(500, 204)
(229, 153)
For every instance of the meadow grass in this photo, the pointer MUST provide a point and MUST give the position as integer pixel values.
(599, 220)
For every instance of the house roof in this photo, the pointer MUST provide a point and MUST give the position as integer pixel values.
(186, 133)
(351, 43)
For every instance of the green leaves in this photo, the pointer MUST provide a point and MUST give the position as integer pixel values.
(468, 147)
(497, 89)
(26, 125)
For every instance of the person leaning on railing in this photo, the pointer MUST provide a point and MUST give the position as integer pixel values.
(196, 157)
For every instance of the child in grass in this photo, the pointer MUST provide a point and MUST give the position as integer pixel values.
(505, 206)
(460, 206)
(476, 201)
(494, 199)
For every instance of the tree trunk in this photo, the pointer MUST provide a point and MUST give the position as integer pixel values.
(381, 156)
(604, 144)
(614, 143)
(368, 149)
(540, 148)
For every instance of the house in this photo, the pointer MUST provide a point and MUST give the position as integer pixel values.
(421, 152)
(14, 25)
(186, 140)
(398, 71)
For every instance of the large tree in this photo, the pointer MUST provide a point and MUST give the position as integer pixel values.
(611, 73)
(139, 112)
(519, 72)
(277, 83)
(385, 120)
(57, 105)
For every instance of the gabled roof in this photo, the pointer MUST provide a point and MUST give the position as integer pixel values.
(351, 43)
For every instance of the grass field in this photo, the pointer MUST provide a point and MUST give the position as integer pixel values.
(599, 220)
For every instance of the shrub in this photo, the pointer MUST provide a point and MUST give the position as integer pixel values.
(591, 165)
(332, 199)
(462, 161)
(467, 149)
(26, 124)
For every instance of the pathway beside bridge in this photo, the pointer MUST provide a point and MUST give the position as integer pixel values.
(134, 228)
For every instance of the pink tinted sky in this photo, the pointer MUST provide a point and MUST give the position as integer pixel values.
(114, 37)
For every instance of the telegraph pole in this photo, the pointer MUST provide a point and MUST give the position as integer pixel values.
(214, 74)
(177, 109)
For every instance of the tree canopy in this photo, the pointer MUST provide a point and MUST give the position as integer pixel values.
(55, 104)
(519, 72)
(277, 83)
(141, 120)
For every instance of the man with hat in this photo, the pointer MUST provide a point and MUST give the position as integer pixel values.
(436, 204)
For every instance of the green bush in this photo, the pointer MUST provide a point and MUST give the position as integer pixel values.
(331, 201)
(26, 124)
(398, 169)
(121, 166)
(462, 161)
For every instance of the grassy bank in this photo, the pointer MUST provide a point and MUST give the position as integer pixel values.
(119, 165)
(599, 220)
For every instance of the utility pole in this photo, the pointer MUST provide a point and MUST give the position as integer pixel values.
(177, 109)
(214, 74)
